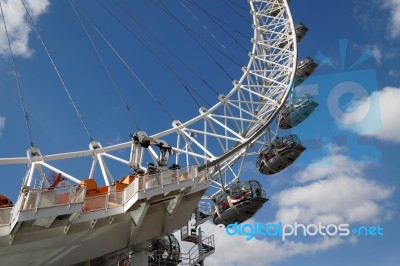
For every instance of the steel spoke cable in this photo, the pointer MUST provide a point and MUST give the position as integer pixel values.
(24, 111)
(168, 12)
(161, 6)
(235, 11)
(195, 35)
(184, 84)
(133, 73)
(230, 26)
(207, 30)
(120, 57)
(128, 109)
(240, 6)
(58, 73)
(198, 37)
(192, 33)
(158, 41)
(214, 19)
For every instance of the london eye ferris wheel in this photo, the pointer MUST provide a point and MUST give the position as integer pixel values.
(61, 217)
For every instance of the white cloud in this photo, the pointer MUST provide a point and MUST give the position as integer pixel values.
(394, 24)
(18, 25)
(339, 194)
(381, 121)
(322, 169)
(376, 53)
(372, 50)
(2, 124)
(236, 250)
(368, 15)
(394, 73)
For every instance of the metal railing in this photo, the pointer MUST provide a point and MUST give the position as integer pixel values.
(206, 208)
(115, 199)
(193, 256)
(43, 198)
(35, 199)
(94, 203)
(141, 183)
(161, 260)
(162, 178)
(184, 231)
(5, 215)
(104, 201)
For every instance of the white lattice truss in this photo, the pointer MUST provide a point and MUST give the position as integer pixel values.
(216, 138)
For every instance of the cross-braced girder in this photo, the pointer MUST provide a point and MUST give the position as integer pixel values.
(223, 133)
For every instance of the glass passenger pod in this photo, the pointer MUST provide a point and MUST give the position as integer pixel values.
(240, 202)
(275, 9)
(301, 30)
(279, 154)
(299, 110)
(165, 250)
(304, 69)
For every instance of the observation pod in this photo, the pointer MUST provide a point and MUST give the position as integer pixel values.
(240, 202)
(293, 114)
(165, 250)
(301, 30)
(304, 69)
(279, 154)
(276, 9)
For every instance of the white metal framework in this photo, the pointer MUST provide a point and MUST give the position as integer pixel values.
(222, 134)
(213, 141)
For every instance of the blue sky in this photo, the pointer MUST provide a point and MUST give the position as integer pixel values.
(349, 173)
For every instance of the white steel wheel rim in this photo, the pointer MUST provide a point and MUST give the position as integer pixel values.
(238, 120)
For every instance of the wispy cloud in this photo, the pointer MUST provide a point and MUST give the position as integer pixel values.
(394, 73)
(376, 53)
(2, 124)
(393, 6)
(365, 14)
(371, 17)
(18, 25)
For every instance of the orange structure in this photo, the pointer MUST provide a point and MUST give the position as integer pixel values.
(93, 190)
(96, 197)
(5, 202)
(123, 183)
